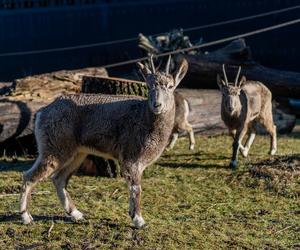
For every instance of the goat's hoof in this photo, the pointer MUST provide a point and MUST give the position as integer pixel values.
(273, 151)
(233, 165)
(245, 152)
(138, 221)
(76, 215)
(26, 218)
(192, 147)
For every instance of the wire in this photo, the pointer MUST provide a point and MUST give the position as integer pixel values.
(226, 39)
(242, 19)
(125, 40)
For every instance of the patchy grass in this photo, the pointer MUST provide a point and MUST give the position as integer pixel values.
(191, 200)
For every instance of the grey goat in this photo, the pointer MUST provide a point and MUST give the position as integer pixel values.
(131, 130)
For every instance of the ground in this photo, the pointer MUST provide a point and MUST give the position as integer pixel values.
(191, 200)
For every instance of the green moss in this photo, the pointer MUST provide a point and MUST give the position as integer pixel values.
(191, 200)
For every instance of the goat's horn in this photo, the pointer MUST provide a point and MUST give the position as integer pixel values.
(168, 65)
(237, 76)
(224, 73)
(152, 64)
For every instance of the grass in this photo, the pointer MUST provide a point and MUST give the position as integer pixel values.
(191, 200)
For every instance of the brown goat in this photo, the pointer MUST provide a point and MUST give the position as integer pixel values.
(181, 121)
(245, 104)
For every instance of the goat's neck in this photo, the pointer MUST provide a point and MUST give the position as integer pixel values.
(163, 121)
(237, 113)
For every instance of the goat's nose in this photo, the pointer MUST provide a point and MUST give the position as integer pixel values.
(157, 105)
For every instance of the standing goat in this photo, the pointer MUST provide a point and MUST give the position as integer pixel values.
(181, 121)
(244, 104)
(182, 110)
(132, 130)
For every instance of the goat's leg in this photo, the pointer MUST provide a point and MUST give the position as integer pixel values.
(173, 140)
(237, 143)
(232, 132)
(273, 135)
(133, 178)
(268, 123)
(42, 168)
(60, 180)
(271, 129)
(190, 130)
(249, 141)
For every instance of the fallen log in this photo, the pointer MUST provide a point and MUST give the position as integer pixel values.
(204, 67)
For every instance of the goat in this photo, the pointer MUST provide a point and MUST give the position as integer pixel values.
(245, 104)
(181, 121)
(132, 130)
(182, 110)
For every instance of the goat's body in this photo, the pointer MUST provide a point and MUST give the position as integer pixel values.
(256, 102)
(100, 124)
(256, 108)
(115, 127)
(181, 123)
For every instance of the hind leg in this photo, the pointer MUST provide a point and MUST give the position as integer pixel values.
(42, 168)
(271, 129)
(173, 140)
(190, 130)
(268, 124)
(60, 180)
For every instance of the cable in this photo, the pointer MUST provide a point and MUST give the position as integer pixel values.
(42, 51)
(226, 39)
(243, 18)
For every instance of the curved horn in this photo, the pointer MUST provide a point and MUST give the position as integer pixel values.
(168, 65)
(224, 73)
(152, 64)
(237, 76)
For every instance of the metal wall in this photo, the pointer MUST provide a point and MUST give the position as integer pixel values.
(56, 23)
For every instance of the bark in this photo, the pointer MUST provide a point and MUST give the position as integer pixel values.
(21, 99)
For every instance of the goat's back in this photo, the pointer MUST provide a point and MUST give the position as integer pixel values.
(84, 119)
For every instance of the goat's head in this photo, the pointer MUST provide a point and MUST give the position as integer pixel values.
(162, 84)
(231, 91)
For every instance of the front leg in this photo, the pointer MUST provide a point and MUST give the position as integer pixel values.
(133, 175)
(237, 143)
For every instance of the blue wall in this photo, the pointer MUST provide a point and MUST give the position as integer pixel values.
(60, 23)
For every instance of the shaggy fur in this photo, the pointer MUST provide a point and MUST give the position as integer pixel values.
(131, 130)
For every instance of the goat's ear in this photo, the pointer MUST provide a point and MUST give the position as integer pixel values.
(242, 81)
(220, 82)
(181, 72)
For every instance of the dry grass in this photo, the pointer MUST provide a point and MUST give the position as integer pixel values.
(191, 200)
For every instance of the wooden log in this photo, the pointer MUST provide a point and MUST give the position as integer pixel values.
(113, 86)
(204, 67)
(22, 98)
